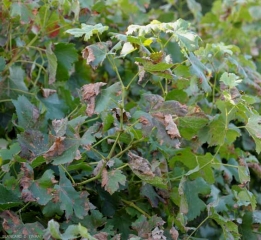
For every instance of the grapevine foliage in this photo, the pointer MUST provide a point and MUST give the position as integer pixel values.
(122, 120)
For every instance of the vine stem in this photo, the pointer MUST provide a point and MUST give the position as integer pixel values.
(198, 227)
(131, 204)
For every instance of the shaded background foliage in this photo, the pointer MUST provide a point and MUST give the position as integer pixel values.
(169, 143)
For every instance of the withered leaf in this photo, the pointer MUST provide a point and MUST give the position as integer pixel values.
(140, 164)
(46, 92)
(26, 181)
(171, 127)
(56, 149)
(144, 121)
(89, 92)
(95, 54)
(101, 236)
(60, 126)
(174, 233)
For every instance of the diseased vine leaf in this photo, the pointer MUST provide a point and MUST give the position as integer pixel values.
(95, 54)
(254, 128)
(41, 188)
(108, 98)
(89, 93)
(87, 30)
(14, 226)
(191, 190)
(144, 227)
(112, 179)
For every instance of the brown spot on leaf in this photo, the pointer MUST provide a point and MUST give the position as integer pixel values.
(171, 127)
(140, 164)
(144, 121)
(89, 93)
(105, 177)
(174, 233)
(46, 92)
(101, 236)
(56, 149)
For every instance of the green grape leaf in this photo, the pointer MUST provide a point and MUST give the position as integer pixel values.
(230, 229)
(52, 64)
(17, 76)
(28, 115)
(196, 165)
(191, 190)
(8, 199)
(23, 10)
(2, 64)
(87, 30)
(200, 70)
(230, 79)
(253, 126)
(112, 179)
(71, 201)
(95, 54)
(66, 55)
(217, 131)
(190, 125)
(148, 191)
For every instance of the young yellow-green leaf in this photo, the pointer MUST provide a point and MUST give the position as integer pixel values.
(53, 230)
(254, 128)
(87, 30)
(230, 79)
(112, 179)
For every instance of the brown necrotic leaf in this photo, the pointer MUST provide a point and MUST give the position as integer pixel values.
(56, 149)
(140, 165)
(171, 127)
(89, 93)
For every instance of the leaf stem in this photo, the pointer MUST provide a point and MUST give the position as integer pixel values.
(131, 204)
(69, 175)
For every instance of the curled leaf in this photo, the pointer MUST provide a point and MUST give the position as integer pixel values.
(46, 92)
(140, 165)
(171, 127)
(56, 149)
(89, 92)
